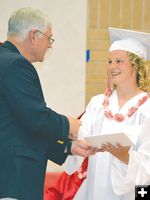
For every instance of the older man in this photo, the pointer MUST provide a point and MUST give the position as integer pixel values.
(30, 132)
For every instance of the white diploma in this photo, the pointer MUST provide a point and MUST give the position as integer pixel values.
(113, 138)
(128, 137)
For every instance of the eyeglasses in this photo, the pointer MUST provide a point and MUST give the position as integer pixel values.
(51, 40)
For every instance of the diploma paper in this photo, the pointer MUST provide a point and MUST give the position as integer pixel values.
(98, 140)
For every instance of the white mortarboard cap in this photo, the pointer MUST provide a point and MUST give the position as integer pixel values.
(128, 40)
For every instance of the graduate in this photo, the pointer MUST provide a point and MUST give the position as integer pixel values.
(114, 171)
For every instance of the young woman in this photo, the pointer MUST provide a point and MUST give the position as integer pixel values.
(114, 171)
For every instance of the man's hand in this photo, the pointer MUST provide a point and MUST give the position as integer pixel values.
(74, 127)
(82, 148)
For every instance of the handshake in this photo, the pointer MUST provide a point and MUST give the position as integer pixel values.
(79, 147)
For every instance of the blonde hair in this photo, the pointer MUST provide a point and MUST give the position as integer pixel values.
(143, 71)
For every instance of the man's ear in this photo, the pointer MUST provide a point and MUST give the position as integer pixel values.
(33, 36)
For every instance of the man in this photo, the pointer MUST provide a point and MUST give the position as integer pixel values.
(30, 132)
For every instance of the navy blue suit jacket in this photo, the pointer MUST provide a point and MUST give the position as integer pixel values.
(30, 132)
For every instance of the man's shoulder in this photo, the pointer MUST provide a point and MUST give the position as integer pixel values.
(7, 56)
(10, 58)
(13, 62)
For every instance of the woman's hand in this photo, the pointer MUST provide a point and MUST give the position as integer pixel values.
(119, 151)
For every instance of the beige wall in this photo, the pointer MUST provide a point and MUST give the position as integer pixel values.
(131, 14)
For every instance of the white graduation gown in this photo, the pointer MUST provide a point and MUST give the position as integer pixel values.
(108, 178)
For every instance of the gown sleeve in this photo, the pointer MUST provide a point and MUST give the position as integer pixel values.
(74, 162)
(137, 172)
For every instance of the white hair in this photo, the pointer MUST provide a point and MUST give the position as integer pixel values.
(26, 19)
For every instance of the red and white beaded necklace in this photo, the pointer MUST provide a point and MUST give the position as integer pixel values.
(118, 116)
